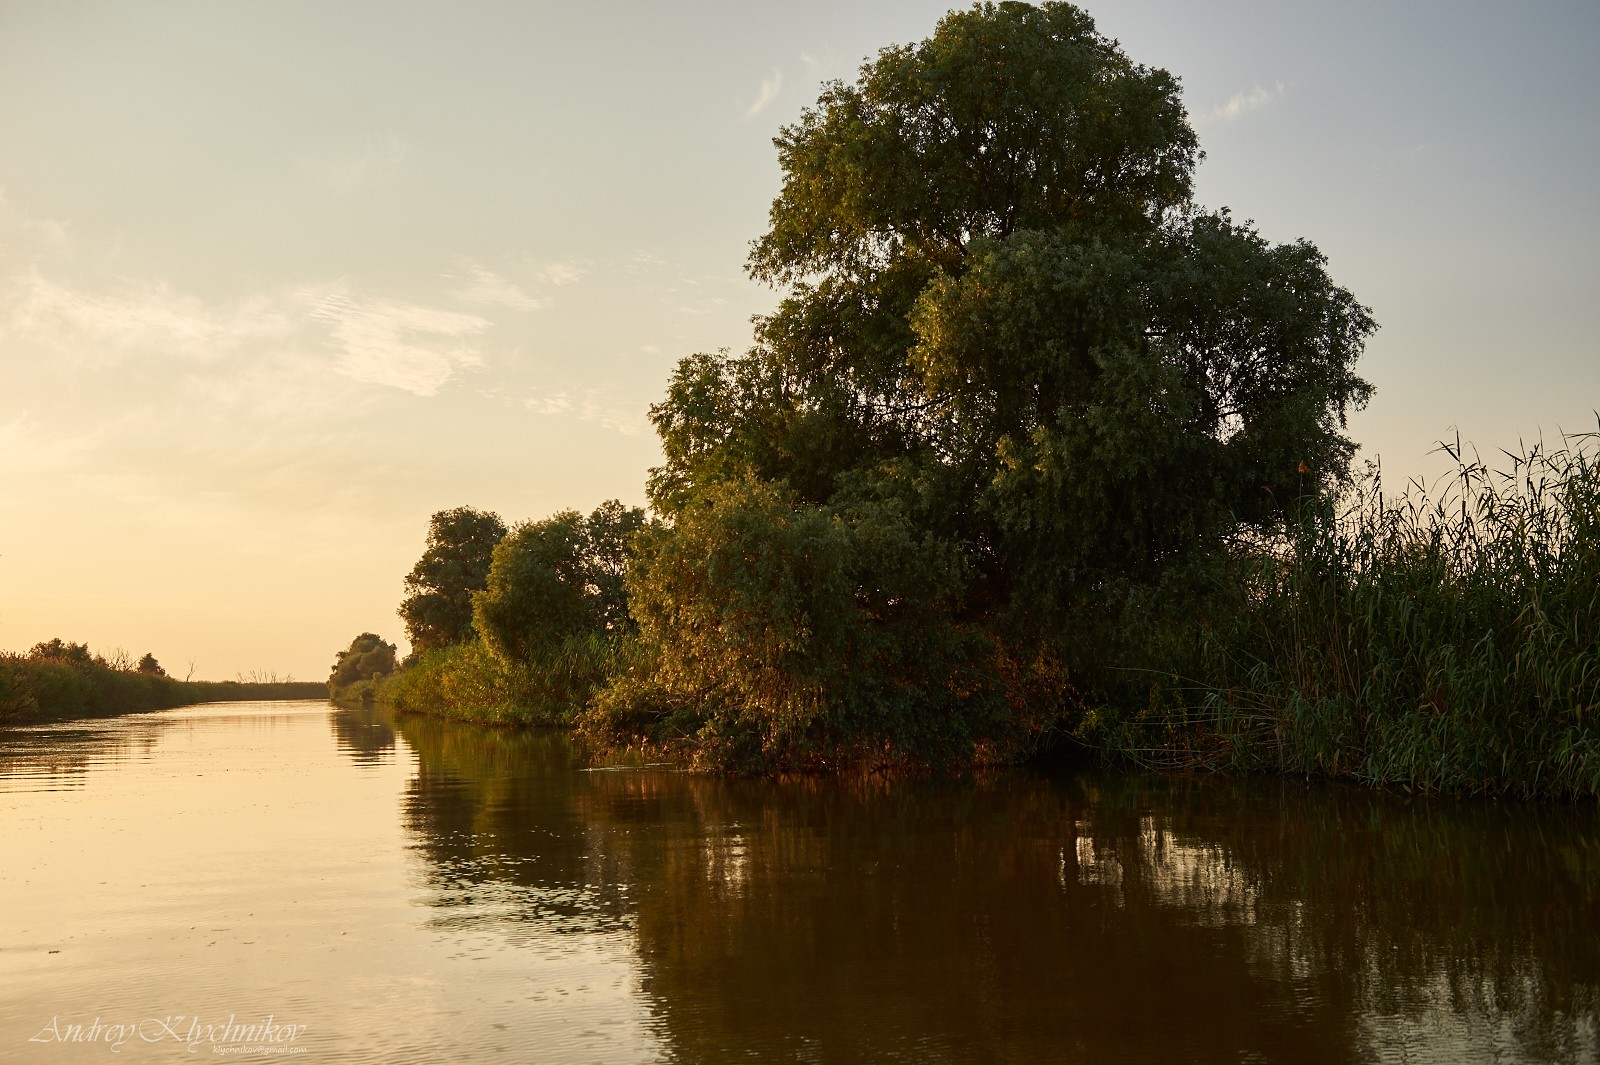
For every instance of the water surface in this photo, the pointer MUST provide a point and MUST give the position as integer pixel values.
(421, 890)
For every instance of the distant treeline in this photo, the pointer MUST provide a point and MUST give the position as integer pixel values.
(58, 680)
(1034, 452)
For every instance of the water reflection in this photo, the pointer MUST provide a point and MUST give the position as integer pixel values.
(58, 757)
(504, 820)
(1016, 918)
(365, 735)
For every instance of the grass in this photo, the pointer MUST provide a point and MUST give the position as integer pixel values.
(1445, 640)
(34, 690)
(469, 682)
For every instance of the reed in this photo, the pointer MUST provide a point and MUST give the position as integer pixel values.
(1444, 640)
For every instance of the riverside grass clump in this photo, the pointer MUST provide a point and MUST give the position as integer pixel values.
(468, 681)
(1446, 640)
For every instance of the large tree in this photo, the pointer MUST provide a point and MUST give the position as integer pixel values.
(1007, 327)
(437, 610)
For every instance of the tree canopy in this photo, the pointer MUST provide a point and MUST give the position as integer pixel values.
(367, 657)
(437, 610)
(1009, 336)
(556, 579)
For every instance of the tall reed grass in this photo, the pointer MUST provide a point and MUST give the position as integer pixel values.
(1444, 640)
(34, 690)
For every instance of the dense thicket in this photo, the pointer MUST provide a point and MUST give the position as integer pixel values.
(549, 623)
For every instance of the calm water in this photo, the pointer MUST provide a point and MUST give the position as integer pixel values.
(418, 890)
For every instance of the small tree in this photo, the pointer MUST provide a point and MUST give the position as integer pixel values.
(367, 657)
(56, 650)
(556, 579)
(437, 610)
(150, 667)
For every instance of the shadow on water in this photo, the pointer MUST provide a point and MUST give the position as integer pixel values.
(1028, 918)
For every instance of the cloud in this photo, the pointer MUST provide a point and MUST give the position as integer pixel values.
(408, 346)
(767, 94)
(593, 406)
(25, 235)
(549, 403)
(486, 288)
(704, 306)
(558, 274)
(1242, 103)
(145, 318)
(379, 158)
(609, 416)
(411, 346)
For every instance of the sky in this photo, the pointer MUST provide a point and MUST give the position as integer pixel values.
(280, 280)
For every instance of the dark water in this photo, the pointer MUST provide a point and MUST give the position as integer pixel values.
(419, 890)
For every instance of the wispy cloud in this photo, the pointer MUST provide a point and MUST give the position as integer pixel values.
(485, 288)
(1242, 103)
(609, 415)
(549, 403)
(153, 317)
(592, 406)
(826, 67)
(409, 346)
(706, 306)
(558, 274)
(770, 87)
(23, 235)
(377, 158)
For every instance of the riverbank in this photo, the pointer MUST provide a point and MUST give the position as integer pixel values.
(35, 691)
(1444, 641)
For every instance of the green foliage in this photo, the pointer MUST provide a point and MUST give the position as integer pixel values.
(150, 667)
(555, 580)
(550, 624)
(1446, 641)
(437, 610)
(1009, 118)
(67, 653)
(1013, 349)
(59, 680)
(367, 658)
(470, 682)
(784, 633)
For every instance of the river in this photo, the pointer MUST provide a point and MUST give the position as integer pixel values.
(290, 881)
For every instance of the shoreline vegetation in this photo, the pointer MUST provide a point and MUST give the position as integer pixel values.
(1036, 454)
(1443, 640)
(62, 681)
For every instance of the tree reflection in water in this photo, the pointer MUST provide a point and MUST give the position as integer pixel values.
(365, 734)
(1018, 918)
